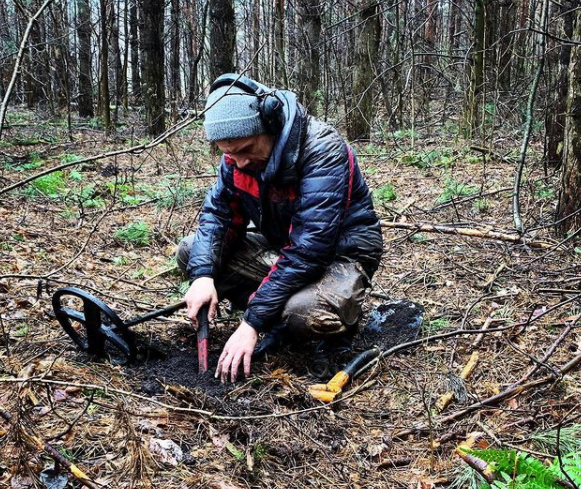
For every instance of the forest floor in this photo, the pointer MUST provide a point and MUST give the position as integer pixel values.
(110, 227)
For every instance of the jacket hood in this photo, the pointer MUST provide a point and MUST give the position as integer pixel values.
(282, 162)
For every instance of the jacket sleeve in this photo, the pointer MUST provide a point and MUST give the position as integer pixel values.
(221, 223)
(314, 234)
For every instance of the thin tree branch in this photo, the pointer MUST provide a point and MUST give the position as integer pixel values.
(518, 224)
(16, 69)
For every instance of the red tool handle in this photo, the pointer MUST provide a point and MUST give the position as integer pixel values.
(203, 326)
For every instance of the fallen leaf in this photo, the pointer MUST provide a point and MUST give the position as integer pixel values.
(166, 451)
(220, 441)
(52, 479)
(513, 403)
(21, 482)
(59, 395)
(376, 449)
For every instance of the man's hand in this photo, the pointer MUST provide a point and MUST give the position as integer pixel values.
(202, 291)
(238, 348)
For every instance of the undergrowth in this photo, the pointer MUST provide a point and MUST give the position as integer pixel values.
(511, 469)
(137, 233)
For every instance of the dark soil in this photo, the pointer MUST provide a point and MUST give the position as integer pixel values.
(179, 367)
(391, 323)
(161, 365)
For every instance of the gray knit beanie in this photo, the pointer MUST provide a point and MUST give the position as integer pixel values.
(232, 113)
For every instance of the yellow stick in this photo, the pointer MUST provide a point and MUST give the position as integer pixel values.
(447, 398)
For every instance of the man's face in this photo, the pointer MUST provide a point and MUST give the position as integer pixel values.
(251, 153)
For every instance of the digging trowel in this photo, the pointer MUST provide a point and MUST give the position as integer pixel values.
(203, 326)
(391, 323)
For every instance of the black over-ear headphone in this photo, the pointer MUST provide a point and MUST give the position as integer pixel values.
(270, 106)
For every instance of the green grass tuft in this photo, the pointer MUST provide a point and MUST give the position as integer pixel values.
(385, 193)
(136, 233)
(51, 185)
(453, 189)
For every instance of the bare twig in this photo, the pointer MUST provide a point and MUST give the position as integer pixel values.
(528, 124)
(16, 69)
(37, 442)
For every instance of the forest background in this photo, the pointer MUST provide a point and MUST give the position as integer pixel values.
(466, 119)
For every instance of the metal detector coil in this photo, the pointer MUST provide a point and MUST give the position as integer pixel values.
(96, 329)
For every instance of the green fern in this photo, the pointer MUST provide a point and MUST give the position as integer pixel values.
(517, 470)
(571, 466)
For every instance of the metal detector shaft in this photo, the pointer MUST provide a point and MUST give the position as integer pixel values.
(166, 311)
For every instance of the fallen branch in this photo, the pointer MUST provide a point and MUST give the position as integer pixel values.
(36, 442)
(472, 232)
(508, 393)
(448, 397)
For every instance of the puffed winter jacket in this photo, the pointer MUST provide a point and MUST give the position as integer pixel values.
(310, 202)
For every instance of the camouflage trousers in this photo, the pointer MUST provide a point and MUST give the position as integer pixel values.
(331, 305)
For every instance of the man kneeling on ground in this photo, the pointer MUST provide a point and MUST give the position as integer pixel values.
(302, 270)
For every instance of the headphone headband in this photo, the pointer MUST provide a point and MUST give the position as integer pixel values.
(270, 106)
(240, 81)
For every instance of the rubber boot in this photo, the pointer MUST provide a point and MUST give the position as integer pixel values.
(272, 341)
(330, 355)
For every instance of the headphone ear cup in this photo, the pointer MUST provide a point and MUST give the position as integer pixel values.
(271, 111)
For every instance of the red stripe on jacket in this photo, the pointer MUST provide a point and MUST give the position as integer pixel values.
(351, 176)
(272, 269)
(246, 183)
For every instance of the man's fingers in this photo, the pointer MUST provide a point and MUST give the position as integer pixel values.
(247, 361)
(193, 313)
(234, 367)
(224, 366)
(219, 367)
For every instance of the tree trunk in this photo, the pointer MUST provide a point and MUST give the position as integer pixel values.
(174, 62)
(476, 67)
(570, 198)
(59, 55)
(124, 81)
(117, 67)
(152, 13)
(5, 40)
(555, 118)
(309, 62)
(222, 37)
(366, 52)
(104, 70)
(255, 38)
(508, 12)
(134, 42)
(279, 58)
(37, 79)
(431, 23)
